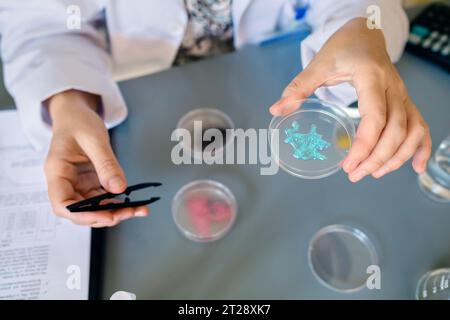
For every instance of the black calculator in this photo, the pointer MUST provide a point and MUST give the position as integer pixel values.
(430, 34)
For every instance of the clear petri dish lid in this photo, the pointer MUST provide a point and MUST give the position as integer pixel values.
(204, 210)
(311, 142)
(339, 256)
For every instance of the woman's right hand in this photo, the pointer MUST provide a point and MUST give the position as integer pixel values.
(80, 163)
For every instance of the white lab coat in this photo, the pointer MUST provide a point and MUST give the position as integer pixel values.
(42, 56)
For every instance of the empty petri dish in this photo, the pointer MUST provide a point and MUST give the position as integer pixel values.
(204, 210)
(201, 120)
(339, 256)
(311, 142)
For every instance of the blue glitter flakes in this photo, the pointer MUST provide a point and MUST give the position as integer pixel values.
(306, 145)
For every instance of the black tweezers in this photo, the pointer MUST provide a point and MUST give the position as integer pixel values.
(93, 204)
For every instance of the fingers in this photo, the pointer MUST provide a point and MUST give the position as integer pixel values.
(61, 178)
(372, 107)
(392, 136)
(300, 88)
(122, 215)
(422, 154)
(80, 162)
(104, 218)
(417, 143)
(87, 179)
(110, 174)
(98, 219)
(62, 194)
(405, 135)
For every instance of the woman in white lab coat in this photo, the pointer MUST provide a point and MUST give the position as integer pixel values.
(62, 77)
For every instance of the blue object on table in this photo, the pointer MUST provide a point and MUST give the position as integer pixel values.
(299, 29)
(300, 10)
(306, 145)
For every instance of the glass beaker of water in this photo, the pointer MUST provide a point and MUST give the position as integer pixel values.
(434, 285)
(435, 181)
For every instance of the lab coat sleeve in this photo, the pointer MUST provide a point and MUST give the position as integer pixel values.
(43, 57)
(327, 16)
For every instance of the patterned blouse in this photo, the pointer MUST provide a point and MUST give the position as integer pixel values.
(209, 30)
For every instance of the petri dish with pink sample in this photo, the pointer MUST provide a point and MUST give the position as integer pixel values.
(204, 210)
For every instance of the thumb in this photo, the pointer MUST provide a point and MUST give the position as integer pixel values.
(300, 88)
(109, 171)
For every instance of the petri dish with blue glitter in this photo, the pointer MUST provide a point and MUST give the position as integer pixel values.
(312, 141)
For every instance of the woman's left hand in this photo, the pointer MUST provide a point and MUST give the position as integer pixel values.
(392, 129)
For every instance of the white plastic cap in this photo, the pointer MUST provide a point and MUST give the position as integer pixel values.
(123, 295)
